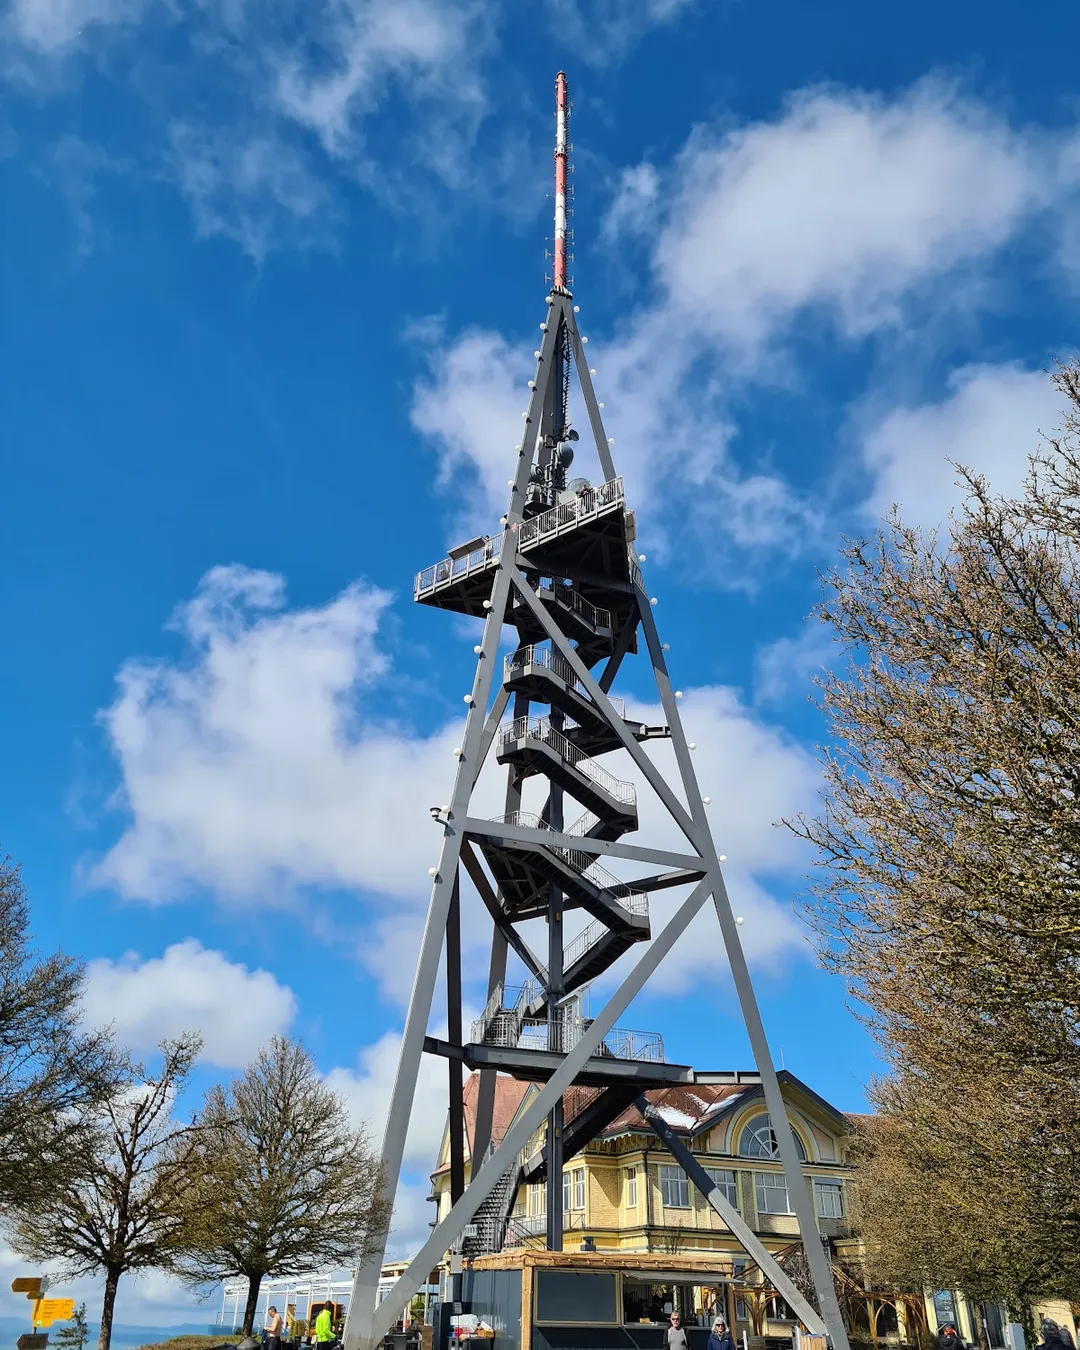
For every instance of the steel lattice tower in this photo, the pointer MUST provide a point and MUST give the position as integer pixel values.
(564, 575)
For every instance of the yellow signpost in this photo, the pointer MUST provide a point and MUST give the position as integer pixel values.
(50, 1310)
(27, 1284)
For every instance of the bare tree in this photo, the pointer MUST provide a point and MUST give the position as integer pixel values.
(278, 1181)
(122, 1212)
(950, 892)
(52, 1072)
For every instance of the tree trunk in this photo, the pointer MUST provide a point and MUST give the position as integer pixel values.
(254, 1282)
(112, 1279)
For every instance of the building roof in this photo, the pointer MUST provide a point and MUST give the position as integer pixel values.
(685, 1107)
(508, 1095)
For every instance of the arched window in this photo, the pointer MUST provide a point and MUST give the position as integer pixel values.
(758, 1140)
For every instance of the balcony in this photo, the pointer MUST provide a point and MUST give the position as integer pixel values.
(481, 554)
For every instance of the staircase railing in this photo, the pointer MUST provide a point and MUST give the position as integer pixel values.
(537, 655)
(633, 901)
(540, 729)
(566, 595)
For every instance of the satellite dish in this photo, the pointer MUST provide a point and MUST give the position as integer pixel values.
(571, 435)
(566, 455)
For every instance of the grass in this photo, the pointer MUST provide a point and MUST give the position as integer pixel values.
(190, 1342)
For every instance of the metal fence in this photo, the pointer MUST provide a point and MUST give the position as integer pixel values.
(567, 514)
(448, 570)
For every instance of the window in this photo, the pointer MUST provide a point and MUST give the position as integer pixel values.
(537, 1199)
(771, 1191)
(776, 1310)
(579, 1187)
(741, 1312)
(631, 1188)
(724, 1178)
(829, 1198)
(759, 1141)
(674, 1188)
(566, 1192)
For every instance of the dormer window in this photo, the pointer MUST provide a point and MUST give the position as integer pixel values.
(758, 1140)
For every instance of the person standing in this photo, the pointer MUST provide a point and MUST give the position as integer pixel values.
(272, 1327)
(324, 1327)
(720, 1337)
(675, 1337)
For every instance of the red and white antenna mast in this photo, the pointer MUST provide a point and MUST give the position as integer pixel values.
(562, 147)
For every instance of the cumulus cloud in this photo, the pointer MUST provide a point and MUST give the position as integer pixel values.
(188, 988)
(849, 202)
(249, 766)
(470, 404)
(424, 46)
(989, 420)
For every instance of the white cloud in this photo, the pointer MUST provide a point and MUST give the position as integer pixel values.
(848, 201)
(257, 190)
(787, 667)
(424, 46)
(51, 26)
(471, 405)
(188, 988)
(247, 766)
(989, 421)
(634, 209)
(366, 1092)
(603, 31)
(755, 773)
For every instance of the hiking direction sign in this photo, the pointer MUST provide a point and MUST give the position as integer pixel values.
(50, 1310)
(31, 1285)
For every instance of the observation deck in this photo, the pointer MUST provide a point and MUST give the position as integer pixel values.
(580, 545)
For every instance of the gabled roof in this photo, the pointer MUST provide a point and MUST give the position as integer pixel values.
(690, 1109)
(508, 1095)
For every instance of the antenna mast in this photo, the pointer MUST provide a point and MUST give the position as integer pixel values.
(562, 147)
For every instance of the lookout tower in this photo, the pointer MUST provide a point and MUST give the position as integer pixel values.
(562, 574)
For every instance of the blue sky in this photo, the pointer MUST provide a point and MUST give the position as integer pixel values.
(271, 279)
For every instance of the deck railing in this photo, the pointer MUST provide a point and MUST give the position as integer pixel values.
(565, 514)
(529, 532)
(448, 570)
(540, 729)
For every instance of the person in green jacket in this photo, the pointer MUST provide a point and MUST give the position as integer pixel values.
(324, 1326)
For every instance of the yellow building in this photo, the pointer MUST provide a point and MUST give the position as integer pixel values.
(623, 1193)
